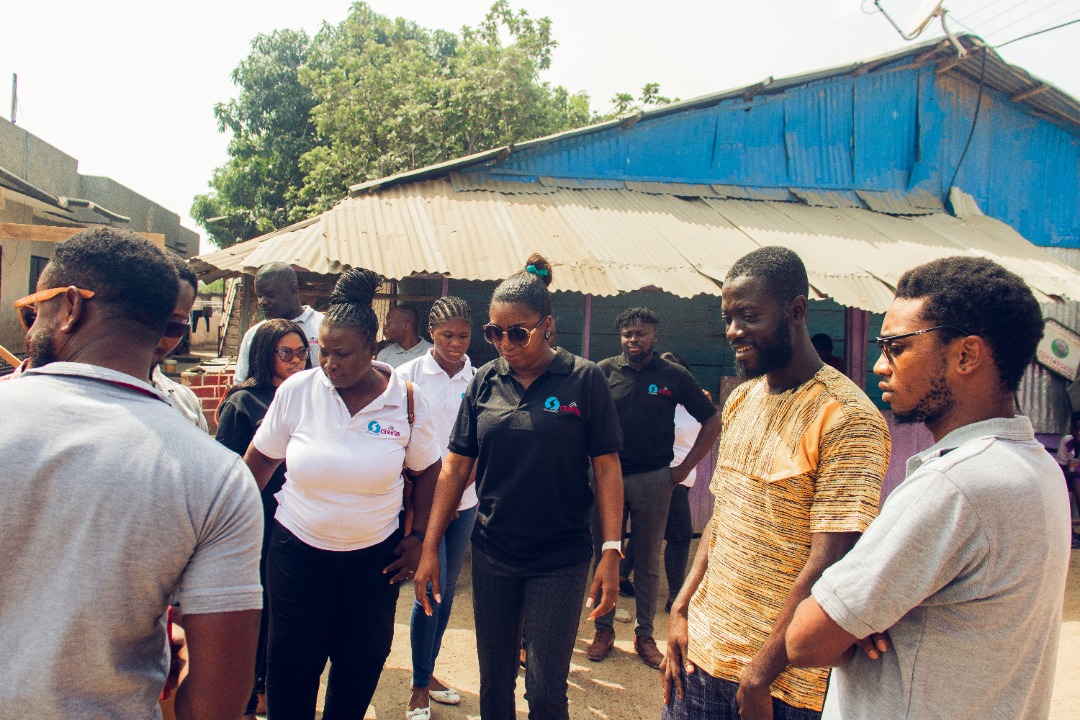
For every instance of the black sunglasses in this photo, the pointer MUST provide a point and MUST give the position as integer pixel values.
(884, 342)
(176, 329)
(517, 335)
(287, 354)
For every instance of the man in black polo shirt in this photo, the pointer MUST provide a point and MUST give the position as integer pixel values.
(647, 389)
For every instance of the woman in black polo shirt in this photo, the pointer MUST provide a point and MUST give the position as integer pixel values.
(531, 422)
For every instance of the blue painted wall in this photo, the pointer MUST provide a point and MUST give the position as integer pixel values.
(894, 129)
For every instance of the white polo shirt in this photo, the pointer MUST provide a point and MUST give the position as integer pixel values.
(310, 320)
(343, 484)
(443, 394)
(686, 432)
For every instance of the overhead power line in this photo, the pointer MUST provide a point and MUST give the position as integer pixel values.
(1037, 32)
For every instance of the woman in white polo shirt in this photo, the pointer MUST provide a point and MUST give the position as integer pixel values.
(442, 374)
(336, 551)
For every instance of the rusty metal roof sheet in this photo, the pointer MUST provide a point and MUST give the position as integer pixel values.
(606, 242)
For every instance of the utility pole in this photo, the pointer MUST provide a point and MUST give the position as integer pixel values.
(14, 95)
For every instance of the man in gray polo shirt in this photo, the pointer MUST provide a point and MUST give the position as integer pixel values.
(114, 504)
(949, 606)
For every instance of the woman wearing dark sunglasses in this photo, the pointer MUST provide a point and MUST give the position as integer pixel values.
(181, 397)
(278, 351)
(532, 422)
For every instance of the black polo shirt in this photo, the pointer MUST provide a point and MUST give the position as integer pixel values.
(532, 450)
(645, 401)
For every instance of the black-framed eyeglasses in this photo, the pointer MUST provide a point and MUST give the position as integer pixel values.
(287, 354)
(884, 342)
(517, 335)
(176, 329)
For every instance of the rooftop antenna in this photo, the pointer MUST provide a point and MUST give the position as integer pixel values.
(928, 10)
(14, 95)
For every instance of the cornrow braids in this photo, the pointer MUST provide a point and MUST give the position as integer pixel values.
(350, 302)
(447, 308)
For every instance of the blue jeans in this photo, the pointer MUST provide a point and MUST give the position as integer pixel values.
(427, 632)
(546, 604)
(709, 698)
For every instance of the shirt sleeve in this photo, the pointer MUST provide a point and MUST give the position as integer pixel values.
(234, 429)
(272, 437)
(242, 357)
(603, 431)
(463, 438)
(1063, 455)
(928, 534)
(693, 398)
(223, 573)
(853, 455)
(423, 448)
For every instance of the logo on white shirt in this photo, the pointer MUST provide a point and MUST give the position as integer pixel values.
(374, 428)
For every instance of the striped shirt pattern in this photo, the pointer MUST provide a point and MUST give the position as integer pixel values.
(809, 460)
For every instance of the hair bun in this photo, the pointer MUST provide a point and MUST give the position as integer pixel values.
(356, 286)
(538, 265)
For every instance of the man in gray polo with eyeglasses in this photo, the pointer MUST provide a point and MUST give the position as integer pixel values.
(949, 605)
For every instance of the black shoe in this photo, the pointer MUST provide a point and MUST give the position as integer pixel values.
(626, 588)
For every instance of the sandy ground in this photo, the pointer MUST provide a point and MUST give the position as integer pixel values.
(621, 687)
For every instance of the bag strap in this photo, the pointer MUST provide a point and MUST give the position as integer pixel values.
(409, 402)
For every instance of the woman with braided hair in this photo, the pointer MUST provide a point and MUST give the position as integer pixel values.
(337, 551)
(442, 374)
(531, 425)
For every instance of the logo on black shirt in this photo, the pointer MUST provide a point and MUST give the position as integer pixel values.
(654, 389)
(552, 404)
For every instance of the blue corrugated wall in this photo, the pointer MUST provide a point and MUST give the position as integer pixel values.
(893, 129)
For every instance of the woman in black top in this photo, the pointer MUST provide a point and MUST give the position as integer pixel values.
(278, 351)
(532, 423)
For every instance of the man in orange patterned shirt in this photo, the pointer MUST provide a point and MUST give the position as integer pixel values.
(802, 455)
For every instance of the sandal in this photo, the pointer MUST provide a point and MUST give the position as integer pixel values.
(423, 713)
(449, 696)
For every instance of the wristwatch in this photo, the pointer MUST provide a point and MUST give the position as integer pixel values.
(417, 534)
(615, 545)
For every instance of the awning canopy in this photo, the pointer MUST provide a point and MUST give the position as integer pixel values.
(609, 241)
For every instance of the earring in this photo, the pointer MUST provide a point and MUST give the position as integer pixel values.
(963, 368)
(547, 335)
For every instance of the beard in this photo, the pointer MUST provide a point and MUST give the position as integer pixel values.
(42, 349)
(931, 407)
(774, 353)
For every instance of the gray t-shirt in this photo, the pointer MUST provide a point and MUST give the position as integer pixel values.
(112, 503)
(965, 567)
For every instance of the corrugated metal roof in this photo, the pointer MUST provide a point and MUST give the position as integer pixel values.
(606, 242)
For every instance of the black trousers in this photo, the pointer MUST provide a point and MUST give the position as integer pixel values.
(546, 604)
(327, 605)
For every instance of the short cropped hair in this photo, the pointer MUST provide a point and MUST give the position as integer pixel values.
(782, 270)
(636, 314)
(183, 269)
(128, 274)
(985, 299)
(409, 312)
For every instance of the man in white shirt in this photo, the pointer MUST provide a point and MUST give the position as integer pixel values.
(278, 292)
(405, 342)
(114, 504)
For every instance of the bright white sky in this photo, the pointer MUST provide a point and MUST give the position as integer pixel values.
(128, 87)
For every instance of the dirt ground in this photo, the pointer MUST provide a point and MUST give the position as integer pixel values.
(621, 687)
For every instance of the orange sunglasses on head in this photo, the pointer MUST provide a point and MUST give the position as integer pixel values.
(27, 311)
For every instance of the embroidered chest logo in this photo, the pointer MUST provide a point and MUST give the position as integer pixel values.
(572, 408)
(655, 389)
(374, 428)
(552, 404)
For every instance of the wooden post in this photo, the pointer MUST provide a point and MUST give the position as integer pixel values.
(588, 327)
(445, 286)
(856, 340)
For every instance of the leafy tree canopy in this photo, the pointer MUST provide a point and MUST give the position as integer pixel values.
(373, 96)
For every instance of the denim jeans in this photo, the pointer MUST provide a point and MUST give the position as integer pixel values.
(546, 604)
(426, 632)
(646, 497)
(709, 698)
(327, 605)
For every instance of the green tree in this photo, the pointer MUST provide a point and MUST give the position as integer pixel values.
(370, 97)
(625, 103)
(270, 122)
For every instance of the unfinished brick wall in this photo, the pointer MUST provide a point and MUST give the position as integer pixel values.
(210, 388)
